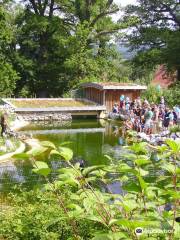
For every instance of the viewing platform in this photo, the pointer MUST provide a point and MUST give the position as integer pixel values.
(97, 99)
(54, 108)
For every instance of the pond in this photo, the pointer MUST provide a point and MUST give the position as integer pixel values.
(90, 140)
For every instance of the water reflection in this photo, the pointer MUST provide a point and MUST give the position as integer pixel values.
(90, 141)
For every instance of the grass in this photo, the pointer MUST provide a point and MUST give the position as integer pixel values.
(49, 103)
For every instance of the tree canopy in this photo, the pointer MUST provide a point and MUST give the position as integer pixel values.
(8, 76)
(155, 33)
(48, 47)
(62, 43)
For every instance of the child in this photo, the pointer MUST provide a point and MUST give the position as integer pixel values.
(115, 108)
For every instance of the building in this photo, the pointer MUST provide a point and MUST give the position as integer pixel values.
(162, 78)
(108, 93)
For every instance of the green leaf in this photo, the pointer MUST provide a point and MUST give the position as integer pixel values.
(132, 224)
(91, 169)
(143, 184)
(21, 156)
(48, 144)
(66, 143)
(123, 222)
(171, 193)
(66, 153)
(41, 168)
(108, 157)
(95, 218)
(55, 152)
(169, 167)
(44, 172)
(140, 162)
(102, 236)
(178, 170)
(129, 205)
(36, 151)
(111, 236)
(132, 187)
(175, 146)
(124, 168)
(142, 172)
(40, 165)
(139, 148)
(118, 236)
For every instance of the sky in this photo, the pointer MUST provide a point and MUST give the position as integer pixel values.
(121, 2)
(124, 2)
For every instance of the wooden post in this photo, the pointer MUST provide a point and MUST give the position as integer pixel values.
(104, 97)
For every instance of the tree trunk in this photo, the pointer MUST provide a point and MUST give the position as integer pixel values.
(178, 74)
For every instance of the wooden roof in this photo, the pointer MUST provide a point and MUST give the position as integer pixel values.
(113, 86)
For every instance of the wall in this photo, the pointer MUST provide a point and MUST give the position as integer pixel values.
(94, 94)
(113, 96)
(44, 116)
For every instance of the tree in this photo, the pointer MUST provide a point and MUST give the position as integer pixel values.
(40, 56)
(98, 59)
(62, 43)
(155, 33)
(8, 76)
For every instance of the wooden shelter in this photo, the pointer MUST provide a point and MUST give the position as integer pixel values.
(108, 93)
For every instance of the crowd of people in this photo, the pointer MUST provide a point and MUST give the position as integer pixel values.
(146, 117)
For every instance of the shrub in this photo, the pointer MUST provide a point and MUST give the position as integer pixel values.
(152, 94)
(171, 95)
(37, 215)
(75, 206)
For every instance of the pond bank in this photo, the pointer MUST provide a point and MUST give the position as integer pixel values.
(6, 157)
(18, 123)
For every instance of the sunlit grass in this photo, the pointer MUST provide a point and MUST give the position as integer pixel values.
(49, 103)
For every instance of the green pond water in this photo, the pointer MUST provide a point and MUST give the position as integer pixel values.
(90, 140)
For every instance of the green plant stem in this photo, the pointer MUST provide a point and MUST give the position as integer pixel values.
(108, 216)
(174, 180)
(72, 223)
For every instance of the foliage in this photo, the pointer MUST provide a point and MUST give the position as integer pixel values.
(171, 95)
(175, 129)
(152, 94)
(8, 76)
(65, 43)
(37, 215)
(155, 33)
(149, 198)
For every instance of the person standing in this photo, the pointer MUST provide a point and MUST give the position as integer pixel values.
(148, 121)
(166, 120)
(115, 108)
(121, 101)
(4, 124)
(162, 102)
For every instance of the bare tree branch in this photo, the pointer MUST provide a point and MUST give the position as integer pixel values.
(51, 8)
(44, 6)
(34, 6)
(106, 32)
